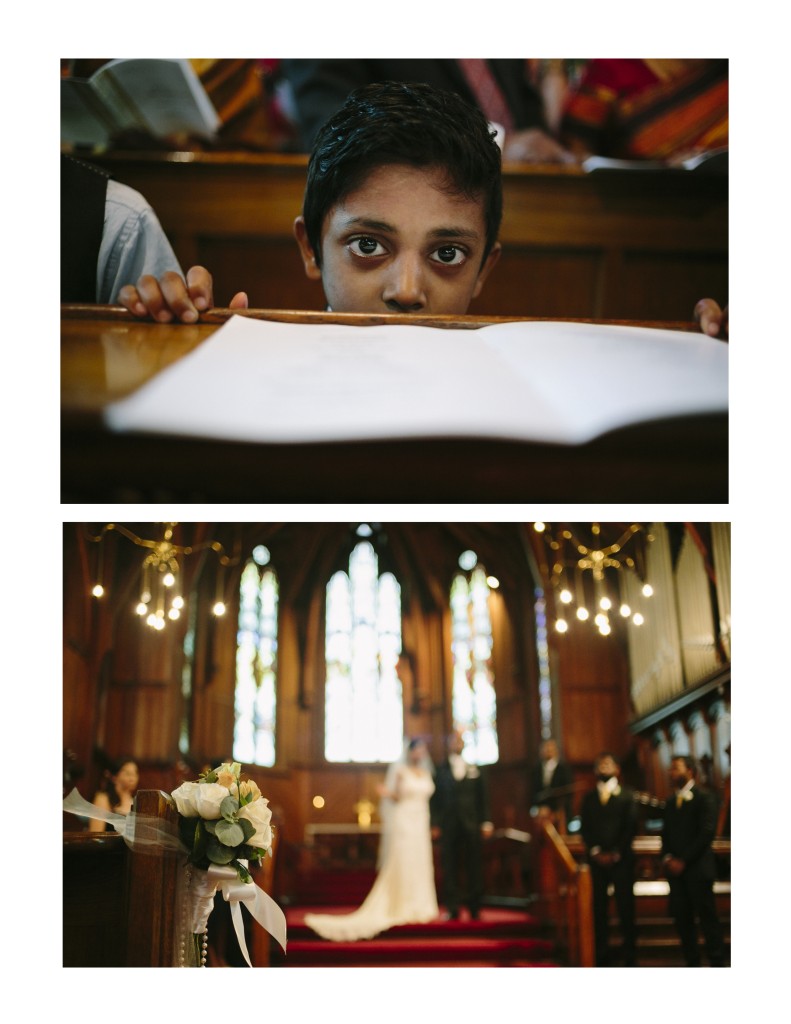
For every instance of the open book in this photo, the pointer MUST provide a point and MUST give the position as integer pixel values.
(564, 383)
(161, 97)
(712, 161)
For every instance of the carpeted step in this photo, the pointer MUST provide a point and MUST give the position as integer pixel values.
(492, 921)
(499, 937)
(407, 951)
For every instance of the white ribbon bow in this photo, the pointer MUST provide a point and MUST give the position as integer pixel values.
(262, 907)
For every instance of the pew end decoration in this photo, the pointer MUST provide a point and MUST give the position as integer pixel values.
(224, 823)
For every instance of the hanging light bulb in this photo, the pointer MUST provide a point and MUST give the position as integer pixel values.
(638, 619)
(582, 614)
(98, 590)
(218, 608)
(561, 626)
(566, 596)
(625, 610)
(647, 590)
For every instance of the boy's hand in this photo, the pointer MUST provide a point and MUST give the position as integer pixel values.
(171, 297)
(713, 320)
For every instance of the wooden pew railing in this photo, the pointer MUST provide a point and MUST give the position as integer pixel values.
(119, 906)
(564, 895)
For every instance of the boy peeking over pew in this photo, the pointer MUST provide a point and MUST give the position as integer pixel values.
(401, 211)
(401, 214)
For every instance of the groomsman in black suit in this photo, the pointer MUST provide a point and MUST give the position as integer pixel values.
(689, 825)
(552, 781)
(460, 812)
(608, 823)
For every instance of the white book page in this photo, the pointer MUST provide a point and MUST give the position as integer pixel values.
(261, 381)
(167, 93)
(599, 377)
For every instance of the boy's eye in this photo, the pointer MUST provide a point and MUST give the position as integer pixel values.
(365, 246)
(449, 254)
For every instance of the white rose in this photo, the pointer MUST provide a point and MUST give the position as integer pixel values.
(185, 797)
(208, 799)
(260, 815)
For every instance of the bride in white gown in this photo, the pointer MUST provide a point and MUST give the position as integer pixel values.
(404, 890)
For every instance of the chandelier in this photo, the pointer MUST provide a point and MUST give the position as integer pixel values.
(160, 592)
(586, 574)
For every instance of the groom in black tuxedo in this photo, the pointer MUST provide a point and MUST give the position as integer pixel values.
(460, 812)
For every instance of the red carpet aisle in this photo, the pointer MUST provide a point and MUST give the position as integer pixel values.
(500, 938)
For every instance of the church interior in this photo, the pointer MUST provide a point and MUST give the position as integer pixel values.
(310, 652)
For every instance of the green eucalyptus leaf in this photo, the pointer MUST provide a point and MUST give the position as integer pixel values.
(217, 853)
(210, 826)
(229, 807)
(247, 827)
(229, 833)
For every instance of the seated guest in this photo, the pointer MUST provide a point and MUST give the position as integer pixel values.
(117, 791)
(504, 90)
(109, 235)
(647, 109)
(401, 211)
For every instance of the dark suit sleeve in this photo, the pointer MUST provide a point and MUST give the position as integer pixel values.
(628, 823)
(705, 826)
(586, 821)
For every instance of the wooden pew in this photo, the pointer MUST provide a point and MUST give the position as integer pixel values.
(118, 906)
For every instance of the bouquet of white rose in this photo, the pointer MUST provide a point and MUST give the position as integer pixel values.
(223, 820)
(224, 823)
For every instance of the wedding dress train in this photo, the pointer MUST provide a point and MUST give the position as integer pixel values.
(404, 890)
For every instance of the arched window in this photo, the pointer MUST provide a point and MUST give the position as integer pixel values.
(364, 707)
(474, 703)
(255, 703)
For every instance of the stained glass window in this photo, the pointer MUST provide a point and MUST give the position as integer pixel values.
(256, 663)
(474, 704)
(364, 708)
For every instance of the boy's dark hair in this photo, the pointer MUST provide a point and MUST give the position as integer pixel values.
(400, 123)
